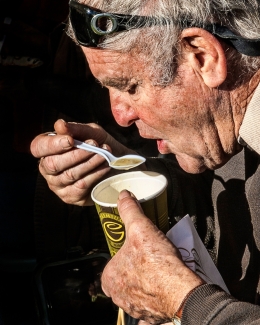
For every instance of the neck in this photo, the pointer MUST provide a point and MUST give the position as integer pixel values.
(240, 98)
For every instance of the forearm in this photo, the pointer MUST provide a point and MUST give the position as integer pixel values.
(209, 305)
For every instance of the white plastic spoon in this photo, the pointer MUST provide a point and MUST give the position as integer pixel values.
(124, 162)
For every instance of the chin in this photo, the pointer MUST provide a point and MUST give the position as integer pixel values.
(197, 166)
(191, 165)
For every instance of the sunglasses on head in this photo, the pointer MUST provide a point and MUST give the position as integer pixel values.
(90, 25)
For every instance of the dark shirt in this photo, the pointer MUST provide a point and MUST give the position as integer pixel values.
(228, 223)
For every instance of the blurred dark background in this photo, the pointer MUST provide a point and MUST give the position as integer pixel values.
(43, 77)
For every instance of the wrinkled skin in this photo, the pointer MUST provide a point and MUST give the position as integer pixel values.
(187, 118)
(130, 276)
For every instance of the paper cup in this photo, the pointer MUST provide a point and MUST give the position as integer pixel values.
(150, 190)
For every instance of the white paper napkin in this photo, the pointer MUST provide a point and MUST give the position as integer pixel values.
(194, 254)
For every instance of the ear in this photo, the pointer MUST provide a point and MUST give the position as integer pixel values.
(205, 54)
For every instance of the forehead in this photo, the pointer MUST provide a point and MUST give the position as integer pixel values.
(108, 64)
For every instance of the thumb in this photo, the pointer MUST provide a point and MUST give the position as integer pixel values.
(62, 127)
(130, 209)
(81, 131)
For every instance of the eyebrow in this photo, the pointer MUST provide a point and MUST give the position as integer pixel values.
(118, 83)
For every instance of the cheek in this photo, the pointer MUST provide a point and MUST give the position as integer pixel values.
(155, 114)
(149, 108)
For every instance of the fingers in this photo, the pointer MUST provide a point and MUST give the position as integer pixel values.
(72, 161)
(81, 131)
(78, 192)
(71, 173)
(91, 131)
(52, 166)
(72, 180)
(44, 145)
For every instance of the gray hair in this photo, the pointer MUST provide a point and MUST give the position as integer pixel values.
(159, 45)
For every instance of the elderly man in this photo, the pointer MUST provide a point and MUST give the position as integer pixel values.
(187, 74)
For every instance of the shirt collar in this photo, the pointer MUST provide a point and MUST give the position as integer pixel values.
(249, 132)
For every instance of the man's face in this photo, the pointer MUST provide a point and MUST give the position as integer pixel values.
(183, 117)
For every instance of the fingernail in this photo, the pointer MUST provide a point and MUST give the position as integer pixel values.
(65, 144)
(124, 194)
(92, 143)
(132, 195)
(104, 146)
(64, 122)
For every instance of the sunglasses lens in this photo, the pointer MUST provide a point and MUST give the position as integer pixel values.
(90, 25)
(103, 24)
(81, 26)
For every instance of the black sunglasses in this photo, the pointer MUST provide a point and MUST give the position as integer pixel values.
(90, 25)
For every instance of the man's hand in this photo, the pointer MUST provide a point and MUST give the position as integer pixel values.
(72, 173)
(147, 277)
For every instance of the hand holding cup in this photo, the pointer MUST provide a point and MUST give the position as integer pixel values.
(147, 270)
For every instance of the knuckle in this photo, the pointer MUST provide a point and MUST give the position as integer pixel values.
(41, 169)
(53, 184)
(49, 164)
(72, 194)
(81, 184)
(64, 195)
(69, 174)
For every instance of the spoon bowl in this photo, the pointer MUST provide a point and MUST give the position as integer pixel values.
(123, 163)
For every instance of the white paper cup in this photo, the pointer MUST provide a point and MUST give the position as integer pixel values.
(150, 190)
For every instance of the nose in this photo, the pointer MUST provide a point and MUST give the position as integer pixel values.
(122, 110)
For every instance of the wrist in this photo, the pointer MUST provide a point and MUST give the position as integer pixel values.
(176, 319)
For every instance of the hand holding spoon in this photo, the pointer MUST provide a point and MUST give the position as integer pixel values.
(123, 163)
